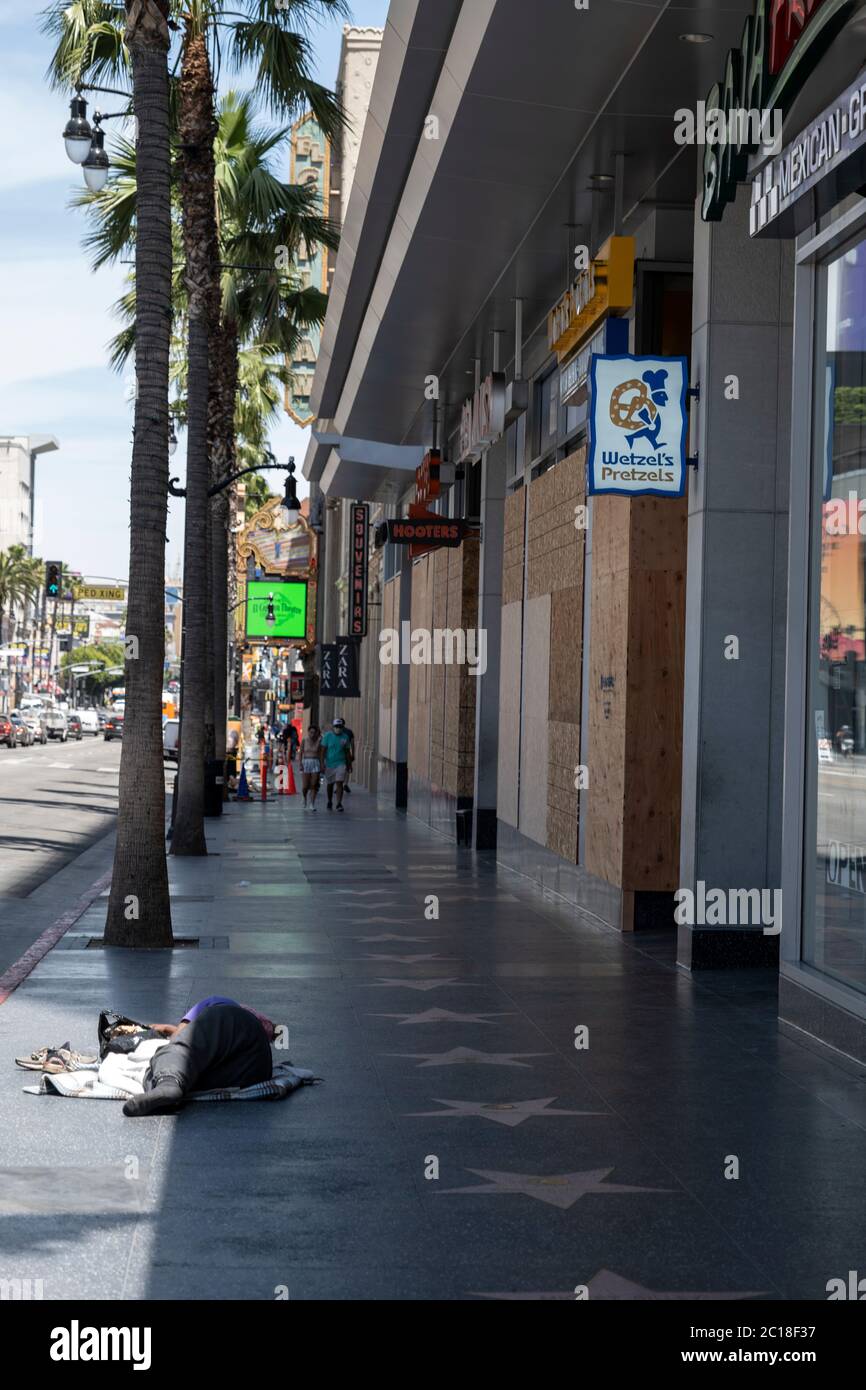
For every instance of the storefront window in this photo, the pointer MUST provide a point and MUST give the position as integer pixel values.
(834, 920)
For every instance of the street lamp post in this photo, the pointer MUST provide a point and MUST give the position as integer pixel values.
(85, 143)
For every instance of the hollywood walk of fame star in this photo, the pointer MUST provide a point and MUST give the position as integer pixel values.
(410, 960)
(614, 1288)
(442, 1016)
(510, 1113)
(557, 1190)
(461, 1056)
(417, 984)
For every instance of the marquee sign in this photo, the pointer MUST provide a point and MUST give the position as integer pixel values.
(781, 44)
(638, 426)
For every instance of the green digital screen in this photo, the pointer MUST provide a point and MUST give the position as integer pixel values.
(276, 609)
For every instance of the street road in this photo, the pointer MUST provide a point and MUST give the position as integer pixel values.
(54, 802)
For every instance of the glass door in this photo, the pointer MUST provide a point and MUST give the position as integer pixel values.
(834, 882)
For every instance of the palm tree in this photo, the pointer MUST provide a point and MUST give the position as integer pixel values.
(93, 42)
(261, 40)
(19, 580)
(262, 314)
(139, 909)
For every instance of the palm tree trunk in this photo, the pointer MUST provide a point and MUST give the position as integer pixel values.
(223, 454)
(197, 127)
(139, 910)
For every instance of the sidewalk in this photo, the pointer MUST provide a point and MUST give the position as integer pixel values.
(448, 1042)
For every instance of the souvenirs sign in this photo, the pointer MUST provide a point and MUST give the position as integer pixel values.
(638, 426)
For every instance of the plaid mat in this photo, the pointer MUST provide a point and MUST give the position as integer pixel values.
(85, 1085)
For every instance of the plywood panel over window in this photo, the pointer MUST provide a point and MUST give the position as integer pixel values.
(388, 675)
(608, 670)
(566, 641)
(512, 555)
(420, 676)
(536, 735)
(509, 714)
(555, 549)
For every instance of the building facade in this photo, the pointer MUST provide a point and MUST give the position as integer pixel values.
(669, 727)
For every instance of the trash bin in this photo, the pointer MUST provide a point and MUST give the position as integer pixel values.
(214, 779)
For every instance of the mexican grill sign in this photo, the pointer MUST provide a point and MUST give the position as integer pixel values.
(827, 161)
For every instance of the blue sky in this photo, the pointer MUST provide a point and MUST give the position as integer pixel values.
(56, 316)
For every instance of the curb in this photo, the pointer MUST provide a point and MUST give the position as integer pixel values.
(18, 972)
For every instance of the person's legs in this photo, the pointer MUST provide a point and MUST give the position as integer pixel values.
(224, 1046)
(329, 787)
(314, 788)
(339, 790)
(306, 779)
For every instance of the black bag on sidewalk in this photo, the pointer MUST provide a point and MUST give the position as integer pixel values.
(117, 1033)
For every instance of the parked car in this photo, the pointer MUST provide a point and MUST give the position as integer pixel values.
(171, 739)
(89, 721)
(7, 732)
(113, 727)
(22, 729)
(34, 718)
(56, 726)
(73, 724)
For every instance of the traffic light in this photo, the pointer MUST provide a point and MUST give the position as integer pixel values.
(53, 570)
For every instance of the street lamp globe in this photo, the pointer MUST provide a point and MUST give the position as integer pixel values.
(78, 133)
(97, 164)
(290, 505)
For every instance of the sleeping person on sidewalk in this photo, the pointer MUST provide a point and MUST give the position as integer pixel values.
(217, 1043)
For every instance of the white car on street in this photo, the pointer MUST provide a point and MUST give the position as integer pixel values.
(55, 725)
(89, 721)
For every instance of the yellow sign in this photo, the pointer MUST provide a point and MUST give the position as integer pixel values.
(106, 592)
(606, 287)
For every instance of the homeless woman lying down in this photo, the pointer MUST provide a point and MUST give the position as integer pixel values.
(218, 1042)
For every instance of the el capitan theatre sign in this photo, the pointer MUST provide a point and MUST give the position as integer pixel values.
(782, 43)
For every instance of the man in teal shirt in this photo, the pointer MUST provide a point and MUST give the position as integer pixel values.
(337, 747)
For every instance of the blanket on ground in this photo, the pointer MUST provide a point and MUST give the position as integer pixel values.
(121, 1075)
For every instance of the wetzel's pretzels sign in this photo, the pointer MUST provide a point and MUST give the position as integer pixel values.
(638, 425)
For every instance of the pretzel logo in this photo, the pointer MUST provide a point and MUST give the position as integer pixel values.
(627, 400)
(635, 406)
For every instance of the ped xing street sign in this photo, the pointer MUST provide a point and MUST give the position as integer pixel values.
(107, 592)
(638, 426)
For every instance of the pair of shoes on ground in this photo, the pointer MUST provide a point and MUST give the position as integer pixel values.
(55, 1059)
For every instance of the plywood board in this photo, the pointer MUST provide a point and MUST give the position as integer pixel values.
(654, 737)
(608, 672)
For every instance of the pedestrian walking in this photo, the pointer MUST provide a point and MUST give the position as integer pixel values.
(312, 759)
(351, 737)
(338, 760)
